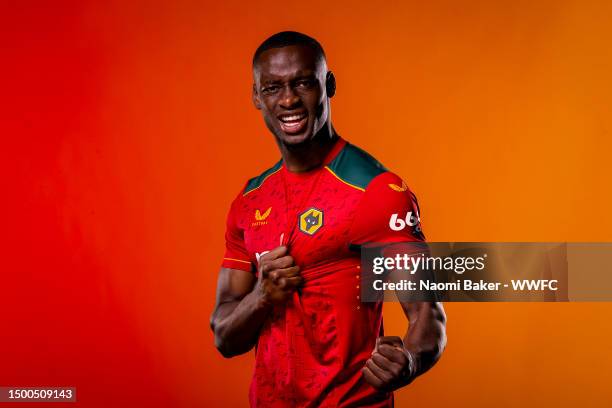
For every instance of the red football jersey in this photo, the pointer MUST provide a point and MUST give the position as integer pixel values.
(311, 350)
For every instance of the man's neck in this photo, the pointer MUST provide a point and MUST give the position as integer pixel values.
(311, 154)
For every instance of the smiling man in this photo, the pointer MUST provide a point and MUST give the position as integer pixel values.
(289, 281)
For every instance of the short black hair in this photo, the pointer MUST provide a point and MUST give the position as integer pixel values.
(285, 39)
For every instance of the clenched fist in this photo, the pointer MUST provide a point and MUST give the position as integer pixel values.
(278, 276)
(391, 366)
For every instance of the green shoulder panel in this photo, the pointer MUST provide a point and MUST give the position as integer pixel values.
(256, 182)
(356, 167)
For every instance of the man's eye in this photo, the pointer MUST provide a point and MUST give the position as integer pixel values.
(270, 89)
(305, 84)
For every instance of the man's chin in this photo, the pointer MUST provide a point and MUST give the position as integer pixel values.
(294, 139)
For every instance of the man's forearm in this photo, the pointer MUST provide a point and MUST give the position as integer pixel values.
(236, 324)
(426, 336)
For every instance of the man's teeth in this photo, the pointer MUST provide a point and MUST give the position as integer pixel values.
(292, 118)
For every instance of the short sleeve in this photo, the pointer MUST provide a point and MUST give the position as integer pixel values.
(388, 213)
(236, 255)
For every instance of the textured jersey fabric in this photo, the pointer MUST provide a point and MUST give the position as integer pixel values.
(311, 350)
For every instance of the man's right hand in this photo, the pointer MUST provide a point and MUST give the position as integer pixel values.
(278, 276)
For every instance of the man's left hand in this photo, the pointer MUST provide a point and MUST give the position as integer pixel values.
(391, 366)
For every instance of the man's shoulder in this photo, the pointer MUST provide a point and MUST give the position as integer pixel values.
(256, 182)
(355, 166)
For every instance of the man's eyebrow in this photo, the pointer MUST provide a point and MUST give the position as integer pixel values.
(305, 73)
(298, 76)
(309, 75)
(270, 81)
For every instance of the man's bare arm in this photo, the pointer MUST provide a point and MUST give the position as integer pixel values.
(244, 302)
(426, 335)
(239, 312)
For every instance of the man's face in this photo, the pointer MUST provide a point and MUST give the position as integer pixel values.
(289, 90)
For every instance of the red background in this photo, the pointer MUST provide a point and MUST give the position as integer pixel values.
(127, 128)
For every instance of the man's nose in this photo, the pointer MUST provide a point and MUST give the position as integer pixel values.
(289, 98)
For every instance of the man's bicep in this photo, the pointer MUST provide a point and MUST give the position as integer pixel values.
(429, 311)
(233, 285)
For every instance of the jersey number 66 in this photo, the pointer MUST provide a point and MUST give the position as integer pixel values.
(398, 224)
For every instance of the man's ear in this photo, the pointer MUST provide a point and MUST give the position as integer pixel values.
(330, 84)
(255, 97)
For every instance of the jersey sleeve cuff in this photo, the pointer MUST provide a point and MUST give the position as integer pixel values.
(234, 263)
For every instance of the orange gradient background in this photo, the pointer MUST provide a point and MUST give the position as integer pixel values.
(127, 128)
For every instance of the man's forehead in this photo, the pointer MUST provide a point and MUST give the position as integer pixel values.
(291, 60)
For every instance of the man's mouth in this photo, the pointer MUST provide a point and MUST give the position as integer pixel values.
(293, 123)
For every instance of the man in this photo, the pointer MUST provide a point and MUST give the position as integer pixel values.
(289, 283)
